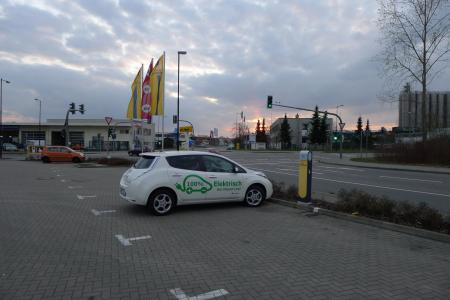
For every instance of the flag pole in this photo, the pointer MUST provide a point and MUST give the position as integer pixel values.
(164, 98)
(142, 120)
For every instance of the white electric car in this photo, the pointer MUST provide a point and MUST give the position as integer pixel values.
(163, 180)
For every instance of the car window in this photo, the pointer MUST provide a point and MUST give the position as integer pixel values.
(217, 164)
(144, 162)
(186, 162)
(53, 149)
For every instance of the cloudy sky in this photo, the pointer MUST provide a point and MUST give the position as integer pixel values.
(304, 53)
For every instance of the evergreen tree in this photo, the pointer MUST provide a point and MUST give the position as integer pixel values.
(314, 134)
(260, 136)
(359, 126)
(368, 134)
(323, 129)
(285, 134)
(358, 131)
(263, 131)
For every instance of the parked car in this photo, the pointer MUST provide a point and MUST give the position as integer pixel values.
(136, 151)
(61, 153)
(163, 180)
(9, 147)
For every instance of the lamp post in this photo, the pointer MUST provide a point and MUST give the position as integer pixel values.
(40, 106)
(1, 115)
(178, 100)
(337, 109)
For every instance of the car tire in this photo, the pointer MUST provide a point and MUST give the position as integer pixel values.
(76, 160)
(161, 202)
(46, 160)
(255, 195)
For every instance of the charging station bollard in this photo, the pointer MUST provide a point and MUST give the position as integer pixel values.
(305, 176)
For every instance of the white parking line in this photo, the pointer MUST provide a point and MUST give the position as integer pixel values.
(99, 212)
(126, 241)
(413, 179)
(63, 180)
(84, 197)
(180, 295)
(74, 187)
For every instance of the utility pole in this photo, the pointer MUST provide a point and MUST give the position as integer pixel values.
(1, 115)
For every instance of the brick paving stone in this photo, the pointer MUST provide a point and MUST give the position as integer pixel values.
(52, 246)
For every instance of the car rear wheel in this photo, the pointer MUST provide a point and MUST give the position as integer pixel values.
(45, 159)
(76, 160)
(161, 202)
(254, 196)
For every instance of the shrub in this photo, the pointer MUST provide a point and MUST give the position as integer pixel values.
(432, 151)
(114, 161)
(421, 215)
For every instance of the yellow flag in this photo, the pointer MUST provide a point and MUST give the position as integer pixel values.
(157, 87)
(134, 107)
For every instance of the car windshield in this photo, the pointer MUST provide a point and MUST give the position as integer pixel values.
(144, 162)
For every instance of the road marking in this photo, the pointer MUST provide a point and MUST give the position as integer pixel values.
(84, 197)
(414, 179)
(126, 241)
(180, 295)
(58, 175)
(63, 180)
(342, 168)
(383, 187)
(74, 187)
(99, 212)
(364, 184)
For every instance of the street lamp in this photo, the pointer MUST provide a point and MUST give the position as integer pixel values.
(178, 100)
(40, 105)
(1, 115)
(337, 109)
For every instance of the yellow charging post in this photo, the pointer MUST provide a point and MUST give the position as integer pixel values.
(305, 176)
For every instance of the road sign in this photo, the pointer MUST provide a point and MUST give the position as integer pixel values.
(108, 120)
(341, 125)
(186, 129)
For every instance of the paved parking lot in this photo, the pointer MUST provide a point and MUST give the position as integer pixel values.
(65, 233)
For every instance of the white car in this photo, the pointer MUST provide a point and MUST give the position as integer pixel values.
(163, 180)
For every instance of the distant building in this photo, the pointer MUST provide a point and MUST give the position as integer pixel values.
(87, 133)
(300, 128)
(437, 110)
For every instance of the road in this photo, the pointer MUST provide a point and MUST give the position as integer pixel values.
(66, 234)
(434, 189)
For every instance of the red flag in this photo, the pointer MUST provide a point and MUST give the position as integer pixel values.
(147, 95)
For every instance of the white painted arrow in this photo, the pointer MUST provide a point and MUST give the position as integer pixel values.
(126, 241)
(99, 212)
(84, 197)
(180, 295)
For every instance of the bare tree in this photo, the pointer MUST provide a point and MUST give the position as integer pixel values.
(416, 42)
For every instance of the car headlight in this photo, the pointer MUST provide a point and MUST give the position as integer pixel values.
(261, 174)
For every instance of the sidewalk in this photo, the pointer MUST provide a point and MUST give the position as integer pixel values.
(333, 159)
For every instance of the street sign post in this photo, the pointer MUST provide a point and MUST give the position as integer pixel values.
(305, 176)
(108, 121)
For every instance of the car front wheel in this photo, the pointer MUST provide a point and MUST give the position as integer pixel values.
(254, 196)
(161, 202)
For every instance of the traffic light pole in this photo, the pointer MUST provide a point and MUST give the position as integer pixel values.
(341, 124)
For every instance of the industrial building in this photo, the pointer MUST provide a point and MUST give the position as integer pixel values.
(85, 133)
(300, 128)
(437, 111)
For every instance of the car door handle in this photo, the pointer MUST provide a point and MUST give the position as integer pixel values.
(212, 177)
(177, 175)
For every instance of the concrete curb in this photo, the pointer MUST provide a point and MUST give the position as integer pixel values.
(426, 234)
(385, 168)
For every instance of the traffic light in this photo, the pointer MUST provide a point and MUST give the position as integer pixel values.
(175, 119)
(335, 137)
(81, 108)
(72, 108)
(269, 101)
(110, 131)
